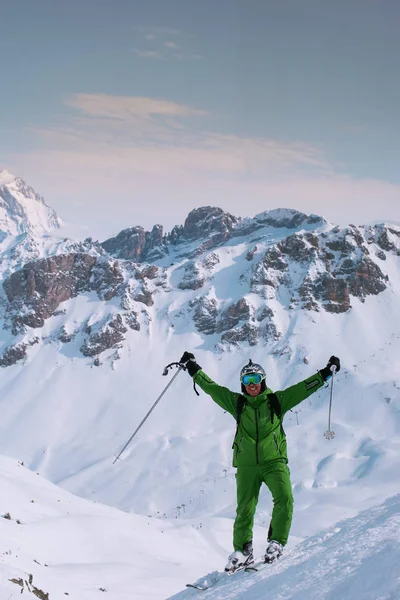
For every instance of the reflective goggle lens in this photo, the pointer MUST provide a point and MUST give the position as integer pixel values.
(252, 378)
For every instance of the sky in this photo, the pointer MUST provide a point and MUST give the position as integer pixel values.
(134, 113)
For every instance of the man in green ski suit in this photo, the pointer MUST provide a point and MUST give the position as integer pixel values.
(259, 450)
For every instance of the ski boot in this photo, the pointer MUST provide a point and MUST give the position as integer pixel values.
(240, 559)
(273, 551)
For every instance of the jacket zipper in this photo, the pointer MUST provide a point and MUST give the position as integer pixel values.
(257, 436)
(276, 442)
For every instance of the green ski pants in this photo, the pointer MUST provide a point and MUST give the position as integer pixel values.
(276, 476)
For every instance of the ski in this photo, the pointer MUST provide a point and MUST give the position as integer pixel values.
(209, 581)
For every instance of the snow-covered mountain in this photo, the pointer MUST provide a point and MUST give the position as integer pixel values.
(89, 327)
(22, 210)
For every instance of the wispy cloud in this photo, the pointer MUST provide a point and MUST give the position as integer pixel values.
(124, 108)
(171, 45)
(158, 136)
(110, 191)
(161, 43)
(152, 54)
(164, 153)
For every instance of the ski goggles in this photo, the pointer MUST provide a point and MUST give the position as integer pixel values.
(255, 378)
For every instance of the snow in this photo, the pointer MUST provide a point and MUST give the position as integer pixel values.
(70, 546)
(358, 558)
(76, 547)
(22, 210)
(67, 421)
(162, 516)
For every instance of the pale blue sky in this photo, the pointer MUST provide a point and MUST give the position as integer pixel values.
(131, 112)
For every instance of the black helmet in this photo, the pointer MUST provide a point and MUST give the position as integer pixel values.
(253, 368)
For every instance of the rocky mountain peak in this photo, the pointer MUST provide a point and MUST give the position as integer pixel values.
(207, 220)
(135, 243)
(22, 210)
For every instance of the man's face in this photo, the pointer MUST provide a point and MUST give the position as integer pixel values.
(253, 389)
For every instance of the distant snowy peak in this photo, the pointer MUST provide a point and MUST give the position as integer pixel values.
(22, 210)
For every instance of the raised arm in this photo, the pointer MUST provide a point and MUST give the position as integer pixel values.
(220, 394)
(295, 394)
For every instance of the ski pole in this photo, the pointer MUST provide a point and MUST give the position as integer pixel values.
(329, 434)
(165, 372)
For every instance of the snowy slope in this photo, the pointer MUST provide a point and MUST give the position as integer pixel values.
(359, 558)
(78, 549)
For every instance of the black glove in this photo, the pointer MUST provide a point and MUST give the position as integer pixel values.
(189, 361)
(326, 371)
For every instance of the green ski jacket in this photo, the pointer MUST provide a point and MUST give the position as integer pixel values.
(260, 437)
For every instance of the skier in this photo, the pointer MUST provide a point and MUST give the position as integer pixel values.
(259, 450)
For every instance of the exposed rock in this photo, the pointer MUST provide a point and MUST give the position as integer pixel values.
(367, 279)
(38, 288)
(210, 261)
(206, 220)
(273, 259)
(148, 272)
(251, 253)
(64, 336)
(269, 332)
(356, 234)
(205, 314)
(341, 244)
(13, 354)
(135, 243)
(192, 279)
(131, 319)
(312, 239)
(108, 334)
(288, 218)
(306, 295)
(269, 271)
(295, 248)
(334, 293)
(231, 316)
(380, 254)
(383, 238)
(144, 296)
(247, 333)
(265, 313)
(127, 297)
(213, 242)
(175, 235)
(106, 279)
